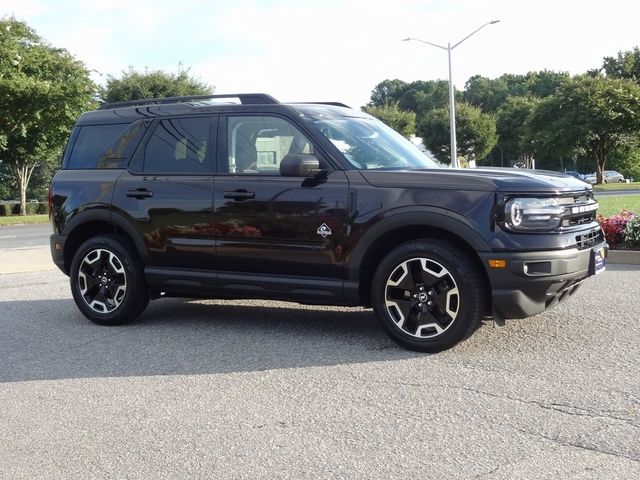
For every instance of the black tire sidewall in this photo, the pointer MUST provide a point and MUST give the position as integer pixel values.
(136, 295)
(465, 275)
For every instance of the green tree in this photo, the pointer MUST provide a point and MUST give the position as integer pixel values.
(402, 121)
(485, 93)
(43, 90)
(387, 92)
(626, 158)
(511, 121)
(6, 191)
(544, 83)
(134, 85)
(475, 132)
(588, 115)
(419, 96)
(624, 65)
(490, 94)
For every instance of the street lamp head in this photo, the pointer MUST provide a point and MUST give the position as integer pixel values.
(493, 21)
(408, 39)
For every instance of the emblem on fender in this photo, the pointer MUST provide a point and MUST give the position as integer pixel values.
(324, 230)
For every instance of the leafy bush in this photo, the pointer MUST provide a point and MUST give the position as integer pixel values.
(632, 232)
(614, 227)
(33, 208)
(5, 209)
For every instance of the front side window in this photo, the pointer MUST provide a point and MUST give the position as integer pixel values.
(179, 145)
(257, 144)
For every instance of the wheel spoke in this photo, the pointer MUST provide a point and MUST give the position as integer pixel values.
(118, 279)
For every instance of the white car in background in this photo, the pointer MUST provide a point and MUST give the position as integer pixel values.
(610, 176)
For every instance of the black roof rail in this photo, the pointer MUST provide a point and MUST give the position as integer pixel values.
(335, 104)
(245, 99)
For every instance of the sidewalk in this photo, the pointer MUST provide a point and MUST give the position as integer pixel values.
(16, 260)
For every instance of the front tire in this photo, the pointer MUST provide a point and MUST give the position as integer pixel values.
(107, 281)
(427, 295)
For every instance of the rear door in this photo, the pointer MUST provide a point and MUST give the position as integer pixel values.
(167, 192)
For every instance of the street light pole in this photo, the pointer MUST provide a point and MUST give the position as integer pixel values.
(452, 103)
(452, 115)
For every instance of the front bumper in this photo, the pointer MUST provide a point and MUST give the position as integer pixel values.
(535, 281)
(57, 251)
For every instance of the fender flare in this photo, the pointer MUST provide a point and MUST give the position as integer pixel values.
(415, 216)
(112, 219)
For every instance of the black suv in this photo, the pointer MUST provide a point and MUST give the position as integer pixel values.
(313, 203)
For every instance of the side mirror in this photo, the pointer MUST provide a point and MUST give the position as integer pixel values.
(301, 165)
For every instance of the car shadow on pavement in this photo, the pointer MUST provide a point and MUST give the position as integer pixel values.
(50, 339)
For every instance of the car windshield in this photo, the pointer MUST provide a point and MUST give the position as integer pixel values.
(367, 143)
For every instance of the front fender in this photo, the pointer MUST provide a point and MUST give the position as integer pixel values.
(442, 219)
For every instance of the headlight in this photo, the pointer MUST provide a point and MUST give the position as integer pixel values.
(533, 213)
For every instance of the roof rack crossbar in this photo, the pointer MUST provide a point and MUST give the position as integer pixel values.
(245, 99)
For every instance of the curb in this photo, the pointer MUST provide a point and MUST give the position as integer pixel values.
(628, 257)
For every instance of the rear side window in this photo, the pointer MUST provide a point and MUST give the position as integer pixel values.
(179, 145)
(105, 146)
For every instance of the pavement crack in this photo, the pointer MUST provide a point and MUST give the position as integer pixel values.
(566, 409)
(501, 465)
(580, 446)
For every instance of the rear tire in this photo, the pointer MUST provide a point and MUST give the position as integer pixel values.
(107, 281)
(428, 295)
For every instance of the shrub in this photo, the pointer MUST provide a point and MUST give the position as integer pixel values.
(33, 208)
(632, 232)
(5, 209)
(613, 227)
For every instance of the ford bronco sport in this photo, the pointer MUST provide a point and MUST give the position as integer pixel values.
(313, 203)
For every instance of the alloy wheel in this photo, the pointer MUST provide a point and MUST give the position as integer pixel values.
(422, 297)
(102, 280)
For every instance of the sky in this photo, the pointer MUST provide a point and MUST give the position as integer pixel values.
(331, 50)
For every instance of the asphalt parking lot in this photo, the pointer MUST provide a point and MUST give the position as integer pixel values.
(252, 389)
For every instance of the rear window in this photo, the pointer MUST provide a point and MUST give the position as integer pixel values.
(105, 146)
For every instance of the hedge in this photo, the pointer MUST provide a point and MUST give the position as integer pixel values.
(33, 208)
(5, 209)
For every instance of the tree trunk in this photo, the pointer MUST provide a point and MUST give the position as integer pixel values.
(23, 198)
(599, 158)
(24, 172)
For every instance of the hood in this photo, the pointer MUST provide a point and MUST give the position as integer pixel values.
(482, 179)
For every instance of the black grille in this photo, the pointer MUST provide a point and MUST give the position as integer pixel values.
(589, 240)
(580, 211)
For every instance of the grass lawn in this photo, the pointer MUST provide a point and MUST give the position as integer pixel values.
(18, 219)
(617, 186)
(610, 205)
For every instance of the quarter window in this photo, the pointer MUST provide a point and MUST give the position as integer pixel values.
(105, 146)
(179, 145)
(257, 145)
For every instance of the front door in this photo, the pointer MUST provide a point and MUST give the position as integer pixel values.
(267, 224)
